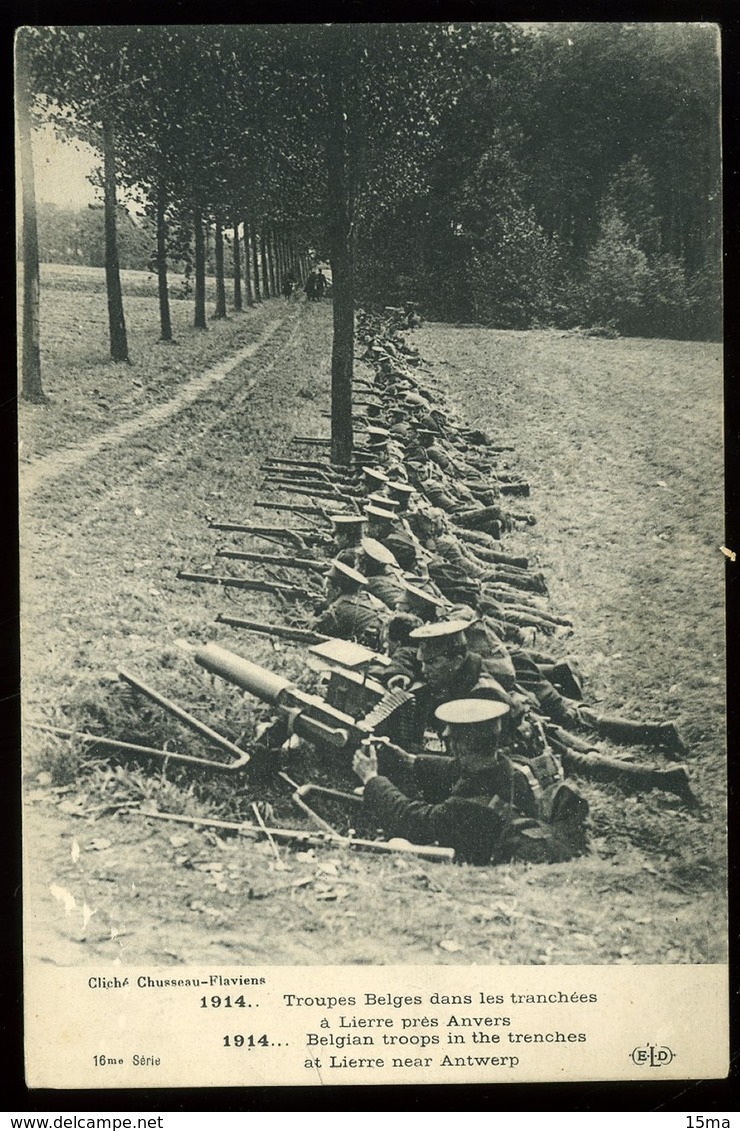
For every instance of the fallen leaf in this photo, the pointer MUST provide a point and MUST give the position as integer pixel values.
(37, 795)
(178, 841)
(44, 778)
(451, 946)
(75, 852)
(63, 896)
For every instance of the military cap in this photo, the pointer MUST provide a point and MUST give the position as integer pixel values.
(377, 434)
(396, 472)
(383, 502)
(376, 512)
(377, 551)
(401, 491)
(402, 548)
(347, 521)
(429, 601)
(417, 400)
(375, 475)
(470, 712)
(439, 635)
(346, 575)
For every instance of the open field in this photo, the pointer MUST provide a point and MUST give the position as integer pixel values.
(621, 443)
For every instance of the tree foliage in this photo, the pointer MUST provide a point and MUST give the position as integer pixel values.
(561, 175)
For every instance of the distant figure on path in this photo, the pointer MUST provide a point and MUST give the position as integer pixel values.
(321, 284)
(310, 287)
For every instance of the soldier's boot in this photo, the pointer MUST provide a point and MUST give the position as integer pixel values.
(565, 676)
(599, 767)
(676, 781)
(664, 735)
(567, 804)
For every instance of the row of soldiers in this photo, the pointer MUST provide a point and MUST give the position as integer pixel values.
(419, 576)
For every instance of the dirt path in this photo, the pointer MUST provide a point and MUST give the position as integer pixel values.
(60, 462)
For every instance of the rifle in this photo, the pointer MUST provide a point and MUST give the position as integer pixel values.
(314, 489)
(345, 489)
(302, 837)
(294, 508)
(314, 464)
(284, 631)
(253, 585)
(274, 559)
(276, 533)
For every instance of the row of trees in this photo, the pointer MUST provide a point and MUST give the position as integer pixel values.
(560, 175)
(78, 238)
(278, 127)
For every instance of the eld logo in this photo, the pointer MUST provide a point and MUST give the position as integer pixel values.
(652, 1056)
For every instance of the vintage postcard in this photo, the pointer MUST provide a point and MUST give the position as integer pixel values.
(373, 554)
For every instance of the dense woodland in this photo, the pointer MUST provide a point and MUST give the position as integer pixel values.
(552, 175)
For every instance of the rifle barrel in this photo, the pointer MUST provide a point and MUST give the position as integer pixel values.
(252, 584)
(284, 631)
(273, 559)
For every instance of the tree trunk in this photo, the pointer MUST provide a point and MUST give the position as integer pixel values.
(237, 269)
(342, 260)
(265, 266)
(164, 298)
(275, 262)
(220, 311)
(256, 265)
(248, 265)
(31, 387)
(200, 272)
(116, 320)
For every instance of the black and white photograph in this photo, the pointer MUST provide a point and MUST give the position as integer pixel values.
(372, 552)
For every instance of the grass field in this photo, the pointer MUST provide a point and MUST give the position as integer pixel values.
(621, 443)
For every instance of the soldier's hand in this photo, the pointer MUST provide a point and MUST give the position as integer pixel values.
(365, 763)
(399, 682)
